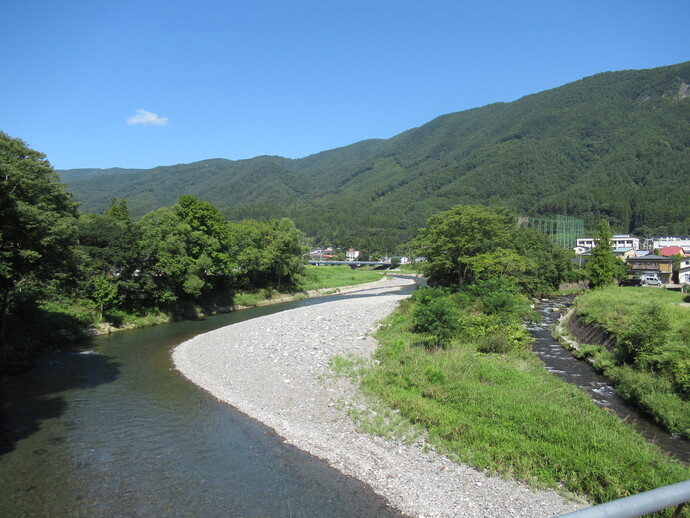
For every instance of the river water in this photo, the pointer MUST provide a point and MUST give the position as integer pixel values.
(562, 363)
(110, 428)
(107, 427)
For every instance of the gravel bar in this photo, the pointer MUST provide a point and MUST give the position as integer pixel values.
(275, 369)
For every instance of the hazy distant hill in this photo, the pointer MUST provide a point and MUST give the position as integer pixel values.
(73, 175)
(614, 145)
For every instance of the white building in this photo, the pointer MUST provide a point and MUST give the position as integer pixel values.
(684, 271)
(618, 241)
(352, 254)
(661, 242)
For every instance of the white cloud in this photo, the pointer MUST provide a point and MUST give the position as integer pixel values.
(147, 118)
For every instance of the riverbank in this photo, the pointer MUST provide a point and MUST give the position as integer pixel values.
(276, 370)
(638, 339)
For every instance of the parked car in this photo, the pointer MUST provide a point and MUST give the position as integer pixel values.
(650, 280)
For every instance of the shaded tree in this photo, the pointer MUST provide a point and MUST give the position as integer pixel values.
(37, 224)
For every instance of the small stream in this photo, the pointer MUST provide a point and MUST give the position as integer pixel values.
(561, 362)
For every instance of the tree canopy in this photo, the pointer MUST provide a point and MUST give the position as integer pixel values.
(604, 267)
(471, 243)
(37, 224)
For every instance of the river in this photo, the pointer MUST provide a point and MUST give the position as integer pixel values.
(107, 427)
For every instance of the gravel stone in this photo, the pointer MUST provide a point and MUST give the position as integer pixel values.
(275, 369)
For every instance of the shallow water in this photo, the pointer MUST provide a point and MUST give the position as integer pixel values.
(110, 428)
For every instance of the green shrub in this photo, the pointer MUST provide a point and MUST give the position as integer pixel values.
(494, 343)
(500, 302)
(646, 334)
(434, 375)
(426, 295)
(482, 288)
(437, 318)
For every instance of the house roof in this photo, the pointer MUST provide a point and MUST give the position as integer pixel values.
(668, 251)
(652, 257)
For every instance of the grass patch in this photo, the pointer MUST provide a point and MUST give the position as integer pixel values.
(323, 277)
(613, 307)
(349, 366)
(504, 413)
(252, 298)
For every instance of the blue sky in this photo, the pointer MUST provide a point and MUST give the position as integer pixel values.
(145, 83)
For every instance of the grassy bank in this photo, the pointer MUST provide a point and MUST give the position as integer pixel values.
(650, 364)
(501, 411)
(326, 277)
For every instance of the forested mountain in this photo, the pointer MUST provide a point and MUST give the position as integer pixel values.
(615, 145)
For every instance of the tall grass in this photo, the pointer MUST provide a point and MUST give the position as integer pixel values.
(504, 413)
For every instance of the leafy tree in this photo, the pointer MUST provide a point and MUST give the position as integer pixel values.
(104, 293)
(604, 267)
(548, 263)
(118, 210)
(453, 242)
(37, 224)
(275, 256)
(211, 242)
(109, 246)
(166, 261)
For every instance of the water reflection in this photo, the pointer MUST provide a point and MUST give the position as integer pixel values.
(110, 428)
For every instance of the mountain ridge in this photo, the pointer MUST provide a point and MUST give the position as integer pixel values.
(614, 145)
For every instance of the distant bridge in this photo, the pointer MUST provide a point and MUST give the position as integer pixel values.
(380, 265)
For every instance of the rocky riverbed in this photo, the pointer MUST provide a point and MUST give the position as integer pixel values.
(276, 370)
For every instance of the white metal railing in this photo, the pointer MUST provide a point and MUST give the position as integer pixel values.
(640, 504)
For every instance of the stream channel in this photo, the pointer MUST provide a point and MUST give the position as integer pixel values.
(107, 427)
(561, 363)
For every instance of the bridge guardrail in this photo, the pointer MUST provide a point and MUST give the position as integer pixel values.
(639, 505)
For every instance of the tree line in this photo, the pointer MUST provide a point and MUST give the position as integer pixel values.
(170, 260)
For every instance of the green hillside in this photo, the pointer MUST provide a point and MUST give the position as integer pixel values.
(614, 145)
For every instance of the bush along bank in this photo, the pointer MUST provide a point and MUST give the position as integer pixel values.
(63, 319)
(648, 361)
(458, 362)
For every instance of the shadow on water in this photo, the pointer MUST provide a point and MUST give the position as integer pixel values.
(30, 398)
(110, 427)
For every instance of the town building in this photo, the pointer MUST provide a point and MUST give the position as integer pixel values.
(617, 241)
(661, 242)
(651, 265)
(352, 254)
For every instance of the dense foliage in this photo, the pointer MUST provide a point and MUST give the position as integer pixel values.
(471, 243)
(37, 219)
(60, 269)
(612, 146)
